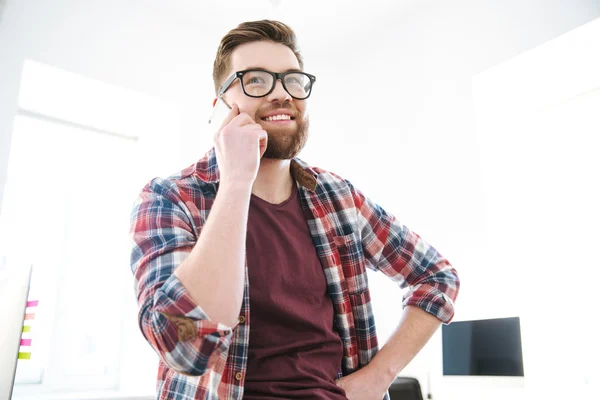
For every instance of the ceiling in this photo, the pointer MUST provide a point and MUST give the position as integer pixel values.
(341, 22)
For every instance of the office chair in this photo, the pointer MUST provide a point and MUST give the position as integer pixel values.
(405, 388)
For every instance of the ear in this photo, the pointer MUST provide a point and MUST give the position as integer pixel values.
(214, 101)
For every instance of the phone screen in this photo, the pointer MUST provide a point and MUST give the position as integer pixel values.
(220, 112)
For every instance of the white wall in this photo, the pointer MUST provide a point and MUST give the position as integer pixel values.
(437, 50)
(539, 140)
(392, 102)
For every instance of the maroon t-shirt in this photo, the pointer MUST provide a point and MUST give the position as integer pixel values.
(294, 352)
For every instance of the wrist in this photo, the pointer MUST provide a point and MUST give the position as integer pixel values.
(382, 373)
(237, 186)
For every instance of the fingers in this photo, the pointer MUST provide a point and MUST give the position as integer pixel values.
(242, 119)
(235, 118)
(234, 112)
(263, 139)
(263, 136)
(254, 128)
(232, 130)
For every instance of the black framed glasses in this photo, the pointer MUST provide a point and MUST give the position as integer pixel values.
(260, 83)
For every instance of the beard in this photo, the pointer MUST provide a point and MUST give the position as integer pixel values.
(285, 143)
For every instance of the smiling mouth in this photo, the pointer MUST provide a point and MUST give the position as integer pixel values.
(278, 118)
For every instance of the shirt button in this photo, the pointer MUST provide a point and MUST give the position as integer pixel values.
(241, 319)
(238, 376)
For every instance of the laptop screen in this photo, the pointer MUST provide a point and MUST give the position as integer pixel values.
(490, 347)
(14, 289)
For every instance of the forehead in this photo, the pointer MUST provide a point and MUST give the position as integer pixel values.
(272, 56)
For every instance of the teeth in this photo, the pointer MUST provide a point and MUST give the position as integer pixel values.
(278, 118)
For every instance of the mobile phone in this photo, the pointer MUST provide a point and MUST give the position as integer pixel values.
(220, 112)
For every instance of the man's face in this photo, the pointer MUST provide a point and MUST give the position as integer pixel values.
(285, 137)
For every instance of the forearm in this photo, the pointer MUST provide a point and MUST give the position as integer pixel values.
(415, 329)
(213, 274)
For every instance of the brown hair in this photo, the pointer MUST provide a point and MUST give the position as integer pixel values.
(248, 32)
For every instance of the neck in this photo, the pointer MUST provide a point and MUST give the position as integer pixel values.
(274, 181)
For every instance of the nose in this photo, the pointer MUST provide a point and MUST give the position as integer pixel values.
(279, 93)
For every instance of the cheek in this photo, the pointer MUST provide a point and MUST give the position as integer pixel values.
(249, 108)
(246, 105)
(302, 108)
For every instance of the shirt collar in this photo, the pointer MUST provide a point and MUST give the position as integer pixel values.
(208, 170)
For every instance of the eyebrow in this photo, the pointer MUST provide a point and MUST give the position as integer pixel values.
(264, 69)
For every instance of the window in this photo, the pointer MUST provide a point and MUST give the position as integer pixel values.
(81, 150)
(66, 211)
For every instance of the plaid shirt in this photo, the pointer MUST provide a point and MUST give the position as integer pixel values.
(203, 359)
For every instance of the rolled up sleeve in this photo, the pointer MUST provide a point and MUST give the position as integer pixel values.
(179, 330)
(403, 256)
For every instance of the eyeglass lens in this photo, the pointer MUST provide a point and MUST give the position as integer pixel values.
(259, 83)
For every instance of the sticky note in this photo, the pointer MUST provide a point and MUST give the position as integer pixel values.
(27, 328)
(24, 356)
(32, 303)
(25, 342)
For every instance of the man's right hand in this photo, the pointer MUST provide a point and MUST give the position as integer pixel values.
(239, 144)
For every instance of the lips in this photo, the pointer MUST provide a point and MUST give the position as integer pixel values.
(280, 115)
